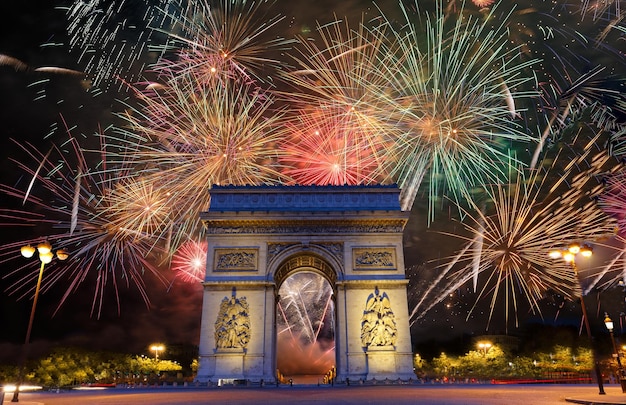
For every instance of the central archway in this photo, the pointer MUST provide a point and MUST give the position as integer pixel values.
(305, 328)
(305, 317)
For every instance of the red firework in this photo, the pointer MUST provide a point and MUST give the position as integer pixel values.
(189, 261)
(330, 149)
(483, 3)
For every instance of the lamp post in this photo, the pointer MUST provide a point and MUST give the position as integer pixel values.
(156, 349)
(484, 347)
(569, 256)
(620, 371)
(45, 256)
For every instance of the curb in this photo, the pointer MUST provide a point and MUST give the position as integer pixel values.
(594, 401)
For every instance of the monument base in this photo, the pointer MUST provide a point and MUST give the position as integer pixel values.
(385, 363)
(229, 362)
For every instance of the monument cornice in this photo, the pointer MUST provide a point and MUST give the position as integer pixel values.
(227, 285)
(305, 225)
(367, 282)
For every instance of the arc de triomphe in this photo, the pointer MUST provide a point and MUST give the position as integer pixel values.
(260, 235)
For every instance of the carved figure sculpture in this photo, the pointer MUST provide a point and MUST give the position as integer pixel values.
(378, 324)
(232, 327)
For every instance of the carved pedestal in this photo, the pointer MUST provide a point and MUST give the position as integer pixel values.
(230, 363)
(381, 362)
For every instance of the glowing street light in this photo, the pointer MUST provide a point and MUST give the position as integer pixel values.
(609, 325)
(484, 347)
(45, 256)
(569, 255)
(156, 349)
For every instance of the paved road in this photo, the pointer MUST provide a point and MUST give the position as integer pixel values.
(309, 395)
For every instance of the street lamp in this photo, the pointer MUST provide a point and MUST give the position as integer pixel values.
(484, 347)
(620, 371)
(569, 255)
(45, 256)
(156, 349)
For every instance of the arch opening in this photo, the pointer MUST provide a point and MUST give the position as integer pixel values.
(305, 327)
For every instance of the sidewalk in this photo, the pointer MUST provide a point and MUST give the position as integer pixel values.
(597, 399)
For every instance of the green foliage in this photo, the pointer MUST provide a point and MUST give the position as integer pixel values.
(496, 363)
(564, 358)
(141, 365)
(72, 366)
(8, 373)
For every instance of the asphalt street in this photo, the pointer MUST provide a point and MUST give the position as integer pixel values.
(382, 394)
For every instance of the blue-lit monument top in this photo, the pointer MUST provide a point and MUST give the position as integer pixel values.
(305, 198)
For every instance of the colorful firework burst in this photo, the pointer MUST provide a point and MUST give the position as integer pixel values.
(454, 102)
(139, 206)
(227, 39)
(340, 85)
(533, 216)
(67, 202)
(226, 133)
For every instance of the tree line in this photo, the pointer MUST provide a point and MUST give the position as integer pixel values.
(69, 366)
(560, 362)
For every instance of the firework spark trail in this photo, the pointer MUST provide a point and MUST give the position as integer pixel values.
(591, 93)
(303, 307)
(309, 324)
(533, 216)
(418, 310)
(288, 326)
(321, 322)
(601, 9)
(452, 100)
(102, 251)
(111, 36)
(617, 261)
(232, 41)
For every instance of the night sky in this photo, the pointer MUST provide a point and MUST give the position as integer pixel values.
(34, 105)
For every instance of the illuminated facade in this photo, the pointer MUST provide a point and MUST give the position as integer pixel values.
(260, 235)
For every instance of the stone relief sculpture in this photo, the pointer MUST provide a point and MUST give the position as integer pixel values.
(375, 258)
(378, 324)
(236, 260)
(232, 327)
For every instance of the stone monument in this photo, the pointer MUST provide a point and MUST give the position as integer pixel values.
(260, 235)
